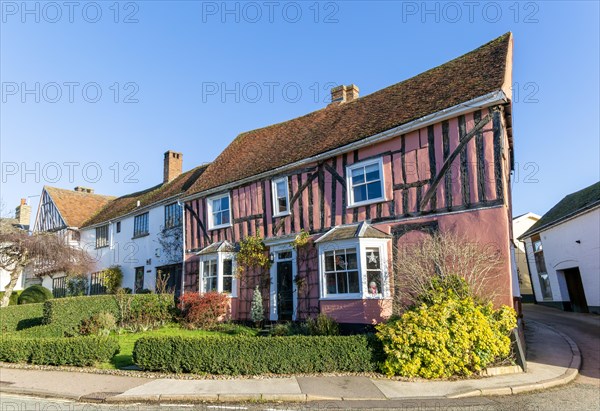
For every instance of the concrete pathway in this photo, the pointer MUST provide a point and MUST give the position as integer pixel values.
(553, 359)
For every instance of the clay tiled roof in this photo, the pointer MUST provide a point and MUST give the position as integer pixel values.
(472, 75)
(75, 206)
(128, 203)
(573, 204)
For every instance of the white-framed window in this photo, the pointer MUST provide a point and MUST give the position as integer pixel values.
(281, 198)
(365, 182)
(209, 275)
(102, 236)
(217, 273)
(219, 211)
(341, 272)
(354, 269)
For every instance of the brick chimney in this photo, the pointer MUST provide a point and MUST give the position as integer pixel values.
(23, 213)
(173, 166)
(87, 190)
(344, 94)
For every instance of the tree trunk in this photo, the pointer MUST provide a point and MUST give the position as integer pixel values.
(14, 277)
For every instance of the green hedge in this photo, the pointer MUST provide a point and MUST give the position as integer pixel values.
(79, 351)
(38, 331)
(69, 312)
(18, 317)
(253, 355)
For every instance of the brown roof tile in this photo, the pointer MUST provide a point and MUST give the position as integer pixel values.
(128, 203)
(472, 75)
(74, 206)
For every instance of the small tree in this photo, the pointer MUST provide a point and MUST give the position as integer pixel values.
(257, 312)
(43, 253)
(113, 277)
(424, 266)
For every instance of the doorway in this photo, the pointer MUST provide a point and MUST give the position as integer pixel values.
(283, 302)
(576, 291)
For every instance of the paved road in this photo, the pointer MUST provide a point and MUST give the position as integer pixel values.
(582, 394)
(584, 329)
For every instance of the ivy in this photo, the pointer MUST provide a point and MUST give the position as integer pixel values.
(301, 239)
(252, 254)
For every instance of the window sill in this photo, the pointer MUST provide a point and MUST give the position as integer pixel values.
(284, 214)
(342, 297)
(102, 246)
(365, 203)
(140, 236)
(354, 297)
(219, 227)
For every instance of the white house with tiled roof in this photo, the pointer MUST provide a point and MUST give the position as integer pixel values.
(140, 232)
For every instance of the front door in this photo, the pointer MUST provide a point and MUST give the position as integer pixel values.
(576, 291)
(285, 288)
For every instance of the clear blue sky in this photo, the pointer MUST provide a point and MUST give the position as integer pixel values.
(176, 58)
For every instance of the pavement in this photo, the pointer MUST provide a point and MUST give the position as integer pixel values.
(553, 360)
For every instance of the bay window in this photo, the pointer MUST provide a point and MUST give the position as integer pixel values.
(217, 269)
(354, 269)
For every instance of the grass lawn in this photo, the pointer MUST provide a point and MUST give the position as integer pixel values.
(127, 340)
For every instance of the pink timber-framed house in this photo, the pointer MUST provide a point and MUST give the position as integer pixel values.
(362, 175)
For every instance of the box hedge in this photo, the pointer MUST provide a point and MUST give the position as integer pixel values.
(69, 312)
(253, 356)
(78, 351)
(18, 317)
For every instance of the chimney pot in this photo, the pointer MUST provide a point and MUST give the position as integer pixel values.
(344, 94)
(81, 189)
(173, 166)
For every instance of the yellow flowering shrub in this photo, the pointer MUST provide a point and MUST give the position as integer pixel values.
(451, 336)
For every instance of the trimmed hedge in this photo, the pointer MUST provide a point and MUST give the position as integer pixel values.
(35, 294)
(79, 351)
(68, 313)
(18, 317)
(38, 331)
(252, 356)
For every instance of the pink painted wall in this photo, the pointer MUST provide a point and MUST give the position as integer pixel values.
(463, 201)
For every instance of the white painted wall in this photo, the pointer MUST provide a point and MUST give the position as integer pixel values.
(129, 252)
(520, 225)
(561, 251)
(5, 279)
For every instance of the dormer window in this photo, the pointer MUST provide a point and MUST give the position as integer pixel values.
(281, 200)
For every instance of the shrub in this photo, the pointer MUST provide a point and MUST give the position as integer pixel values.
(445, 255)
(77, 286)
(203, 310)
(257, 311)
(113, 277)
(98, 324)
(252, 355)
(79, 351)
(69, 312)
(322, 325)
(35, 294)
(18, 317)
(450, 337)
